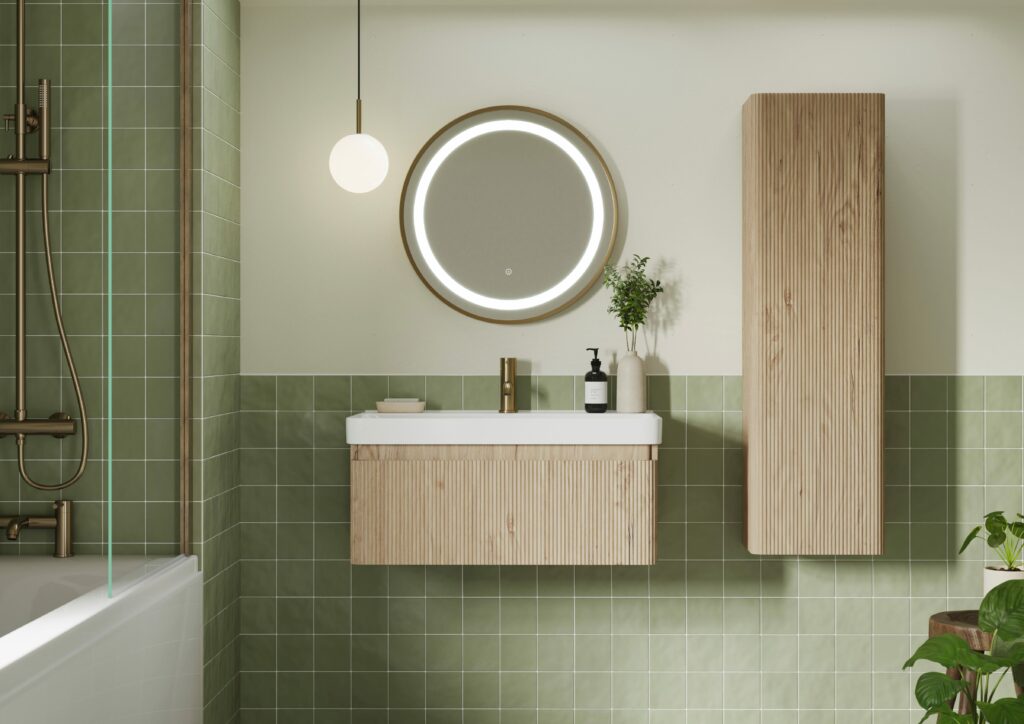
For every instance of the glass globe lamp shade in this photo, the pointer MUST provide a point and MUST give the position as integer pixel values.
(359, 163)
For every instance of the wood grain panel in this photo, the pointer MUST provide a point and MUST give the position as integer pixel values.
(478, 505)
(813, 253)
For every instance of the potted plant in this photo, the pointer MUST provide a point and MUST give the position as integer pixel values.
(977, 675)
(632, 294)
(1007, 540)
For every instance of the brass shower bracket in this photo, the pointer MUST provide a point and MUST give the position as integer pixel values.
(31, 121)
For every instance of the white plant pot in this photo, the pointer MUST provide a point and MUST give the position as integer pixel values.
(995, 576)
(630, 384)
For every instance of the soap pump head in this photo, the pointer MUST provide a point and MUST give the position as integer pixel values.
(595, 364)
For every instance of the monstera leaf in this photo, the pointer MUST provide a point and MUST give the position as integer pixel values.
(934, 689)
(1002, 611)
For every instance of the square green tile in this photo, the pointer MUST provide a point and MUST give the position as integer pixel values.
(481, 652)
(294, 392)
(480, 392)
(443, 653)
(332, 615)
(666, 392)
(367, 391)
(443, 615)
(406, 652)
(480, 615)
(928, 393)
(554, 392)
(1003, 429)
(704, 393)
(928, 467)
(518, 652)
(555, 615)
(593, 616)
(1003, 393)
(518, 615)
(443, 392)
(966, 393)
(555, 653)
(480, 691)
(332, 392)
(407, 386)
(295, 429)
(966, 429)
(928, 429)
(1003, 467)
(405, 580)
(897, 392)
(480, 580)
(897, 429)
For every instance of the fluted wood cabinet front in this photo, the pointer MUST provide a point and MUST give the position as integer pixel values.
(813, 233)
(503, 504)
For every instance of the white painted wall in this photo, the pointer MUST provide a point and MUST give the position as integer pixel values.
(326, 287)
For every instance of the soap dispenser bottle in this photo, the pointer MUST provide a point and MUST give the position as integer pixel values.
(595, 386)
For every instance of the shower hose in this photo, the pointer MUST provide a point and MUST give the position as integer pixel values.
(59, 318)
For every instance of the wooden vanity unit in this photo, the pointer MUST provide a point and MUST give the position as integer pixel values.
(813, 255)
(505, 493)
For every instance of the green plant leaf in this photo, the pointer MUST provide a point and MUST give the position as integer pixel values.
(947, 650)
(971, 537)
(934, 689)
(952, 651)
(1012, 652)
(1003, 711)
(945, 715)
(1002, 611)
(995, 522)
(996, 539)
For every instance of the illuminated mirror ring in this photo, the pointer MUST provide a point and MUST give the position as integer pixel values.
(509, 214)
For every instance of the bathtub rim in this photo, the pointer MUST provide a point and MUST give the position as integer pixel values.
(35, 644)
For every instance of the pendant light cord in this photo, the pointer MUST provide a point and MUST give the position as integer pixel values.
(359, 66)
(359, 50)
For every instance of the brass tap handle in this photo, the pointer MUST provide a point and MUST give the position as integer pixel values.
(507, 402)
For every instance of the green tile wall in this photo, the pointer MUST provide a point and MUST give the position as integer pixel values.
(66, 43)
(708, 634)
(216, 314)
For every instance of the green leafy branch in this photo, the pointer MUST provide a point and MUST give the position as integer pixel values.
(632, 294)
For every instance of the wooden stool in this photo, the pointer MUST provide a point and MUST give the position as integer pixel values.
(965, 625)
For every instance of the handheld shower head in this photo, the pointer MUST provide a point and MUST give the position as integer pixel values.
(44, 118)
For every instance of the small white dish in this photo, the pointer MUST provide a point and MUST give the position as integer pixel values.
(401, 404)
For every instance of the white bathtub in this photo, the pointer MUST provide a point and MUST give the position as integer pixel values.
(68, 653)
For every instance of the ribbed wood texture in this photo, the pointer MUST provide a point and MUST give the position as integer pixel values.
(507, 505)
(813, 253)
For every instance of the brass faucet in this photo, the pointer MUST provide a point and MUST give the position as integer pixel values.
(59, 522)
(508, 385)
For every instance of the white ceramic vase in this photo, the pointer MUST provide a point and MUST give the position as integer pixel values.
(630, 384)
(995, 576)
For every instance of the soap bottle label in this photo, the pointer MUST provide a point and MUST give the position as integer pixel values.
(595, 393)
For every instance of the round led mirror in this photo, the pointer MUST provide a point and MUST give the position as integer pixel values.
(509, 214)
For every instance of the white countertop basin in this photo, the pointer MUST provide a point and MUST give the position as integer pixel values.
(494, 428)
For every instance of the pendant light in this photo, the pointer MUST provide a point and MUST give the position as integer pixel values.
(359, 161)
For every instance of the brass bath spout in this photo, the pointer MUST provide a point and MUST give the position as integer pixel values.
(59, 523)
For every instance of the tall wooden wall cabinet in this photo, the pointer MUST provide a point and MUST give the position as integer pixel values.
(813, 252)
